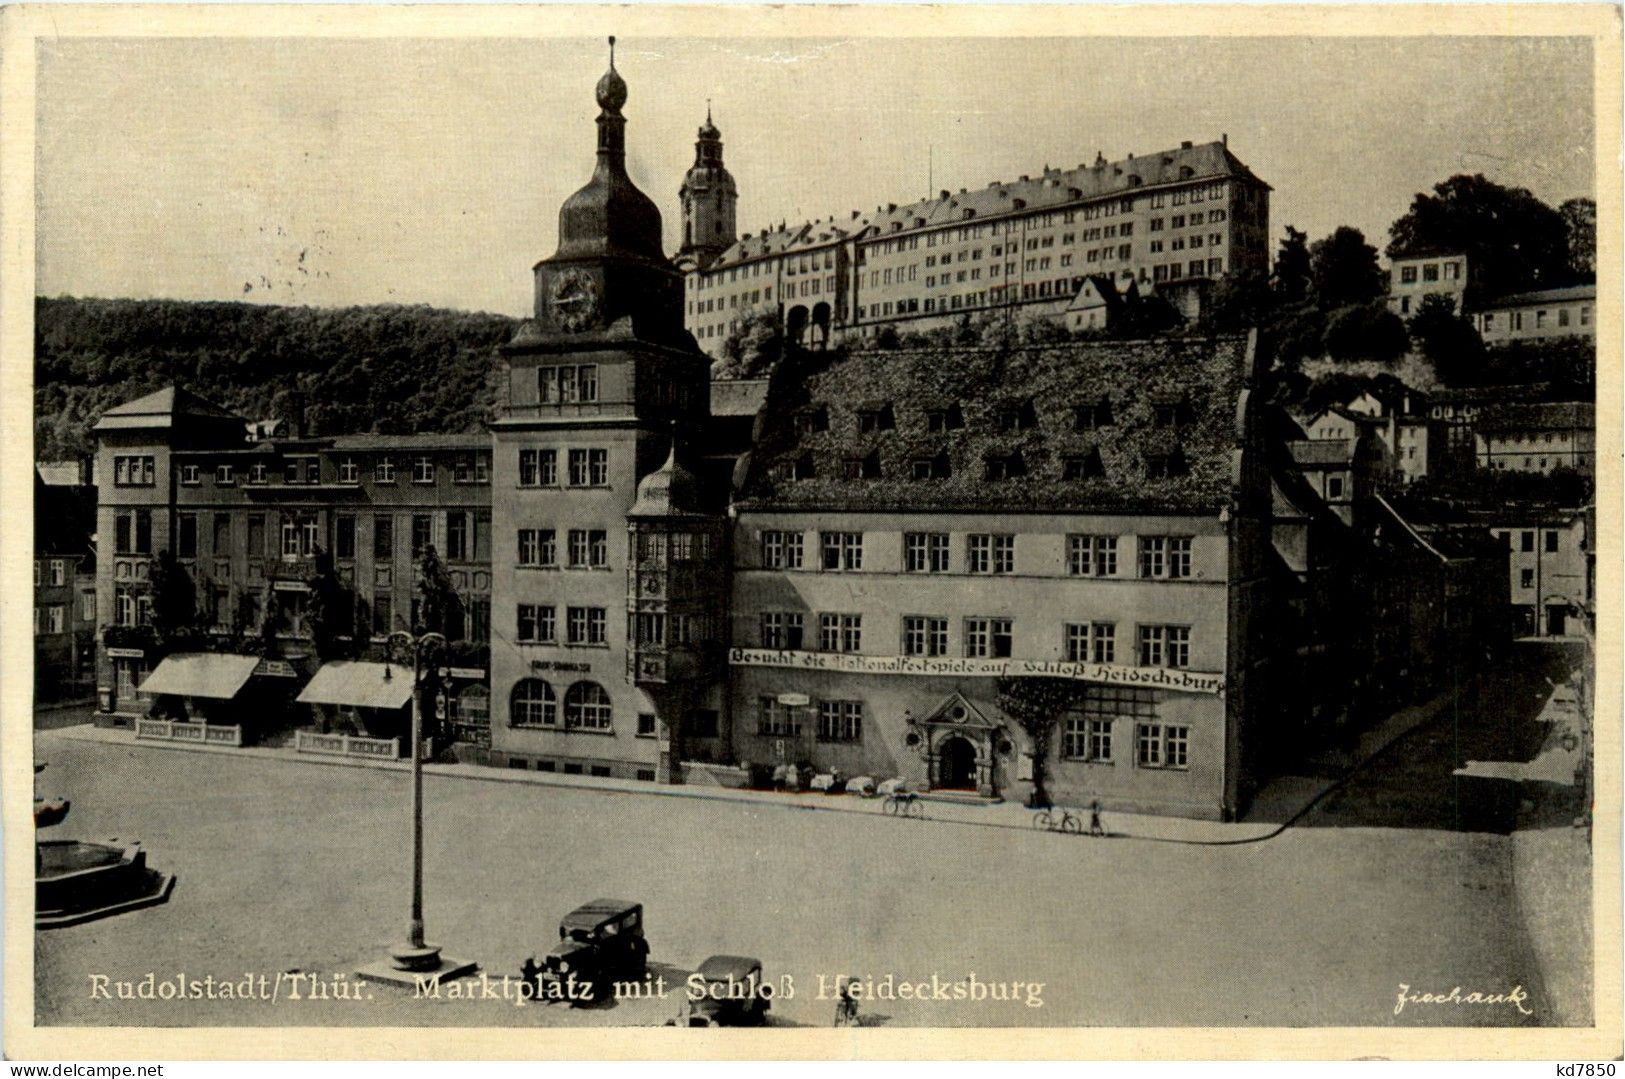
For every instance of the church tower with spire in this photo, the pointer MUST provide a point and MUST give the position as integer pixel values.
(602, 391)
(710, 201)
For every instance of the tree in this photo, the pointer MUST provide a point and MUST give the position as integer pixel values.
(174, 600)
(331, 612)
(1366, 332)
(439, 607)
(1580, 234)
(1239, 301)
(1512, 240)
(1446, 339)
(1343, 269)
(1036, 705)
(751, 347)
(1291, 277)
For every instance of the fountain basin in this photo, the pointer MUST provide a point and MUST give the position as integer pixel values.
(76, 881)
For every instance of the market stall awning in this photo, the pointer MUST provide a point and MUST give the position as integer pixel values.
(216, 675)
(360, 684)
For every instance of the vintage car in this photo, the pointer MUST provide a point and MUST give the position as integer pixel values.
(600, 943)
(727, 991)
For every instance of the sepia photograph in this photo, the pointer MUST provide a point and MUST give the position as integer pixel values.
(868, 523)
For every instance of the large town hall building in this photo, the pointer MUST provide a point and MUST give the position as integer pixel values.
(856, 570)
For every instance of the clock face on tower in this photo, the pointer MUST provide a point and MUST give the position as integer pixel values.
(575, 300)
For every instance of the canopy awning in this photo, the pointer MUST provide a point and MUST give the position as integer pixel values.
(360, 684)
(214, 675)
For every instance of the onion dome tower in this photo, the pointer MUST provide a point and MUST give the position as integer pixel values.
(710, 200)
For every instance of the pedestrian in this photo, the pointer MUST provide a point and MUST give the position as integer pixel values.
(1095, 827)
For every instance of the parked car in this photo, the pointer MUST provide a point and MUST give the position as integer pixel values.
(727, 991)
(600, 943)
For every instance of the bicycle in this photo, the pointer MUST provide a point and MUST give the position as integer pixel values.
(1046, 820)
(904, 804)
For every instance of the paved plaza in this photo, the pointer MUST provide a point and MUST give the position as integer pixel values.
(292, 867)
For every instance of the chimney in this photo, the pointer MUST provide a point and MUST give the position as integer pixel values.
(293, 409)
(1224, 140)
(1185, 145)
(943, 193)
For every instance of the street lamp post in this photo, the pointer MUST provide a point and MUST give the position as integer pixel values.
(414, 958)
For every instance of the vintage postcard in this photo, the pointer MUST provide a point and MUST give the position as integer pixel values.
(898, 532)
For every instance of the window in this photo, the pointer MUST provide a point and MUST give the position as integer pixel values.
(1165, 646)
(59, 571)
(133, 532)
(1093, 416)
(538, 547)
(383, 537)
(383, 471)
(875, 418)
(423, 470)
(775, 719)
(1159, 745)
(840, 721)
(646, 725)
(1018, 416)
(87, 606)
(1160, 466)
(570, 383)
(842, 550)
(589, 468)
(586, 625)
(987, 638)
(185, 536)
(538, 468)
(189, 475)
(422, 534)
(810, 420)
(225, 475)
(1526, 578)
(536, 623)
(344, 536)
(840, 632)
(923, 636)
(861, 468)
(1086, 466)
(588, 548)
(781, 550)
(649, 627)
(947, 418)
(1091, 642)
(990, 553)
(781, 629)
(1165, 556)
(1007, 466)
(532, 704)
(1087, 739)
(135, 471)
(1334, 487)
(457, 536)
(349, 471)
(925, 552)
(1527, 541)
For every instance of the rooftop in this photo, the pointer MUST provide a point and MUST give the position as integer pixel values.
(1075, 426)
(1538, 416)
(1571, 294)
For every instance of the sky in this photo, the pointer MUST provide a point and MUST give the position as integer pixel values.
(332, 172)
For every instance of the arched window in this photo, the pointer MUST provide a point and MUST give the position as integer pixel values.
(533, 704)
(586, 707)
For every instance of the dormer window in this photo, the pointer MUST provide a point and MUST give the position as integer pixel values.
(930, 468)
(803, 469)
(1005, 466)
(947, 418)
(1162, 466)
(1171, 413)
(1082, 466)
(1015, 416)
(861, 468)
(811, 420)
(290, 472)
(875, 417)
(1092, 417)
(349, 471)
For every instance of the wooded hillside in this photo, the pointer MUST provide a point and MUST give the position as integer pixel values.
(384, 369)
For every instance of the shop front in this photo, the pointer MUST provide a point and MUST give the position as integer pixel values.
(357, 697)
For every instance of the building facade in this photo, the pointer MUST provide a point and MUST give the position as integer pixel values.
(922, 533)
(1412, 279)
(1527, 316)
(1537, 437)
(605, 620)
(1548, 581)
(64, 584)
(1019, 248)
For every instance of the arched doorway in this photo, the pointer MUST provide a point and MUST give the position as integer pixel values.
(956, 764)
(795, 323)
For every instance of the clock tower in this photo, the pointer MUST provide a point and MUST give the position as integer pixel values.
(599, 386)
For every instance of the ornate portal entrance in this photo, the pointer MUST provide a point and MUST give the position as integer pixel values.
(961, 747)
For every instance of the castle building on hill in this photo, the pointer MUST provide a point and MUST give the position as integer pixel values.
(1169, 223)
